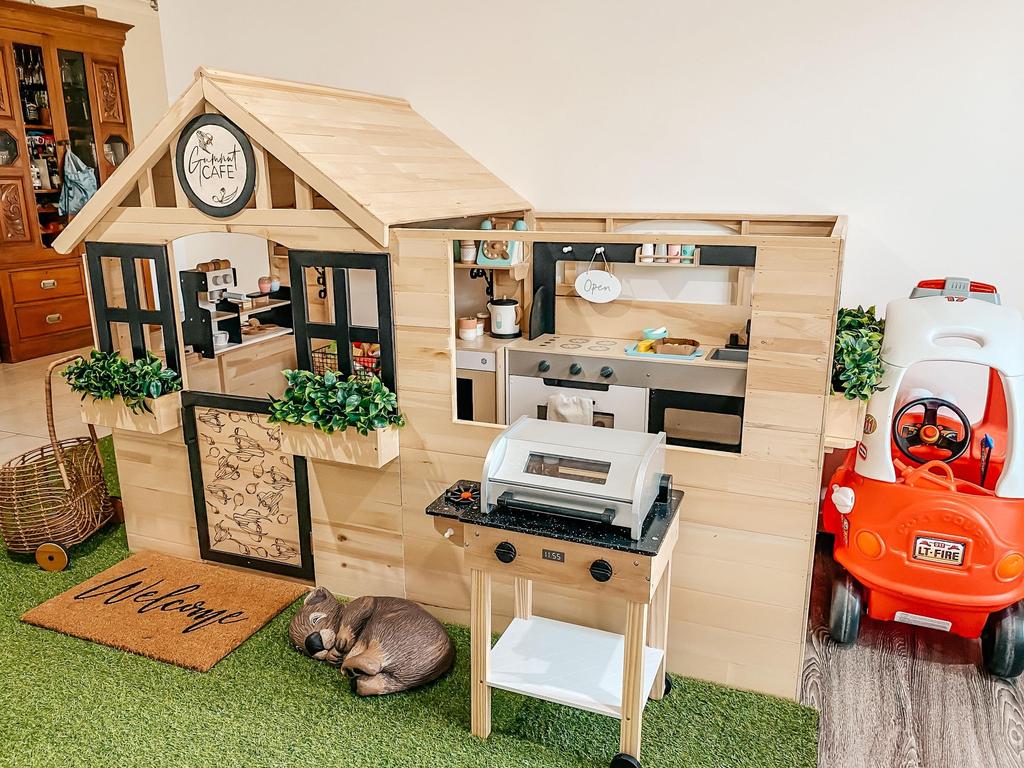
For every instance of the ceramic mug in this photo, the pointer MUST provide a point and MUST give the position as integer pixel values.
(275, 283)
(264, 284)
(467, 328)
(467, 252)
(220, 338)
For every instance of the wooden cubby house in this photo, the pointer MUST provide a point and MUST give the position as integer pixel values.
(348, 184)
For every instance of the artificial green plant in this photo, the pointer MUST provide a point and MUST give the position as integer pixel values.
(106, 375)
(333, 403)
(857, 360)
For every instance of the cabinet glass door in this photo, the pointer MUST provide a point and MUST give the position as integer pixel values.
(34, 97)
(77, 108)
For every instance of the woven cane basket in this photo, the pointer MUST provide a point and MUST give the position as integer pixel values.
(55, 493)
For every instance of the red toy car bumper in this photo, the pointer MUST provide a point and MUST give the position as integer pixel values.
(929, 557)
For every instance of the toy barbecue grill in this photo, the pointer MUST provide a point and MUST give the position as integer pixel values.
(604, 476)
(55, 496)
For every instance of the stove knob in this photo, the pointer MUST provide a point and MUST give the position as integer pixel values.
(601, 570)
(606, 372)
(543, 366)
(575, 369)
(505, 552)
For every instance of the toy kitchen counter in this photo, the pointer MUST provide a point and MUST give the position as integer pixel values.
(570, 505)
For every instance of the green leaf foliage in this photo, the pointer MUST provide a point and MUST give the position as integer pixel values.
(106, 375)
(332, 403)
(857, 361)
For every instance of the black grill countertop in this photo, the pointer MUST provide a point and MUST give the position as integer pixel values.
(554, 527)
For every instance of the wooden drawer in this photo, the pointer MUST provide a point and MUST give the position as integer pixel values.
(52, 316)
(40, 284)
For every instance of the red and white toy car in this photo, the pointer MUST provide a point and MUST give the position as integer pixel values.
(928, 512)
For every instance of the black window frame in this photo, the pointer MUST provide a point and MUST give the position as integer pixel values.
(132, 314)
(341, 331)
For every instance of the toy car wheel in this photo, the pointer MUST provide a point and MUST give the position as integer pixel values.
(847, 606)
(1002, 642)
(622, 760)
(52, 556)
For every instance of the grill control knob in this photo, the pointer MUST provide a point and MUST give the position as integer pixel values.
(543, 366)
(505, 552)
(575, 369)
(607, 372)
(601, 570)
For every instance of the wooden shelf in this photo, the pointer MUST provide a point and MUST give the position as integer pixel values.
(248, 341)
(565, 663)
(665, 264)
(45, 191)
(515, 271)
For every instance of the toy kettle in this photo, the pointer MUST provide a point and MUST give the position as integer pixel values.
(505, 317)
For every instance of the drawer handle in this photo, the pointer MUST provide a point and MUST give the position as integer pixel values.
(47, 284)
(54, 318)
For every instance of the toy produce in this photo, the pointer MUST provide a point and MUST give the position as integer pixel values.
(928, 511)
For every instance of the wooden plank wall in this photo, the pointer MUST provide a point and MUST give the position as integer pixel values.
(741, 571)
(742, 564)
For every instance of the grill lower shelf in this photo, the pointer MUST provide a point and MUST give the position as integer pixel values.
(565, 663)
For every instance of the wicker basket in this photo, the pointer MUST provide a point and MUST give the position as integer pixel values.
(324, 359)
(55, 493)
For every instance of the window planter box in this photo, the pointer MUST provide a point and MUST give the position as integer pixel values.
(114, 414)
(844, 422)
(349, 447)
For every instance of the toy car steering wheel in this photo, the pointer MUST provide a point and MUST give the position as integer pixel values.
(929, 432)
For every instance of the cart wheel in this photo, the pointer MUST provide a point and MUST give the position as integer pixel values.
(668, 686)
(52, 556)
(1002, 642)
(847, 605)
(622, 760)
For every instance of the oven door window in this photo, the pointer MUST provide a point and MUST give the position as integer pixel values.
(696, 420)
(567, 468)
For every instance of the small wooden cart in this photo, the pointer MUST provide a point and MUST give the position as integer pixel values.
(569, 664)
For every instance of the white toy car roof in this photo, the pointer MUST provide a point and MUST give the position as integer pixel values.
(954, 325)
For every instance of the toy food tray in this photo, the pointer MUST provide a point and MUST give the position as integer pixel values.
(669, 349)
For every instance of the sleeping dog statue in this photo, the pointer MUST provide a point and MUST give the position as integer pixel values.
(386, 644)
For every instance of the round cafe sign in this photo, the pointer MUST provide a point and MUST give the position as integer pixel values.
(216, 165)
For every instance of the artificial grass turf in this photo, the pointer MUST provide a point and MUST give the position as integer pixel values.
(68, 701)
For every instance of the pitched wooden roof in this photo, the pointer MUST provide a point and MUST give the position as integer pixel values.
(373, 157)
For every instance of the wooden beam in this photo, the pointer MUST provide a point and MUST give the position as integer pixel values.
(263, 199)
(303, 195)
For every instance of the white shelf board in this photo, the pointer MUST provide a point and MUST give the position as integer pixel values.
(565, 663)
(250, 340)
(245, 313)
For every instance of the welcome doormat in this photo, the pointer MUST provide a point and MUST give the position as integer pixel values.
(169, 609)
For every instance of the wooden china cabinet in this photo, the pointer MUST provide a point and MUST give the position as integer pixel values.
(62, 85)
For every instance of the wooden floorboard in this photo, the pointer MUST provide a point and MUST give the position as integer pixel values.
(906, 697)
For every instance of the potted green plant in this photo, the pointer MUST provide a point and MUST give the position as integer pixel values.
(350, 420)
(142, 396)
(856, 372)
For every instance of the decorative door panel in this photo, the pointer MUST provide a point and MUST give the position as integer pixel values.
(251, 498)
(108, 90)
(14, 226)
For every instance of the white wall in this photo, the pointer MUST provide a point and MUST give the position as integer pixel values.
(143, 58)
(905, 116)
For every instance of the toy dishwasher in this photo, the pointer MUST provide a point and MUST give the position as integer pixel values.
(580, 507)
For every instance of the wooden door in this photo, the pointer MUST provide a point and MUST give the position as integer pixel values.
(251, 498)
